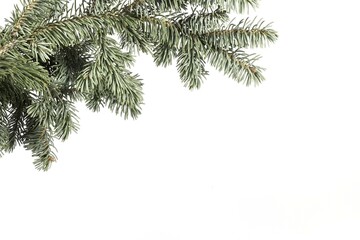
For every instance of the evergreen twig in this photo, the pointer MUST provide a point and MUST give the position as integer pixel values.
(54, 53)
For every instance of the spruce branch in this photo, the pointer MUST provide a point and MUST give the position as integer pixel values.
(106, 81)
(191, 64)
(39, 140)
(236, 64)
(34, 13)
(55, 53)
(247, 33)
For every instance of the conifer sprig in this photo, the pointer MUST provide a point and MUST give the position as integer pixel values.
(54, 53)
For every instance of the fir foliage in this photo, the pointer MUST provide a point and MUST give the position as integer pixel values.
(54, 53)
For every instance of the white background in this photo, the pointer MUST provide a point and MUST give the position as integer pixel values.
(278, 161)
